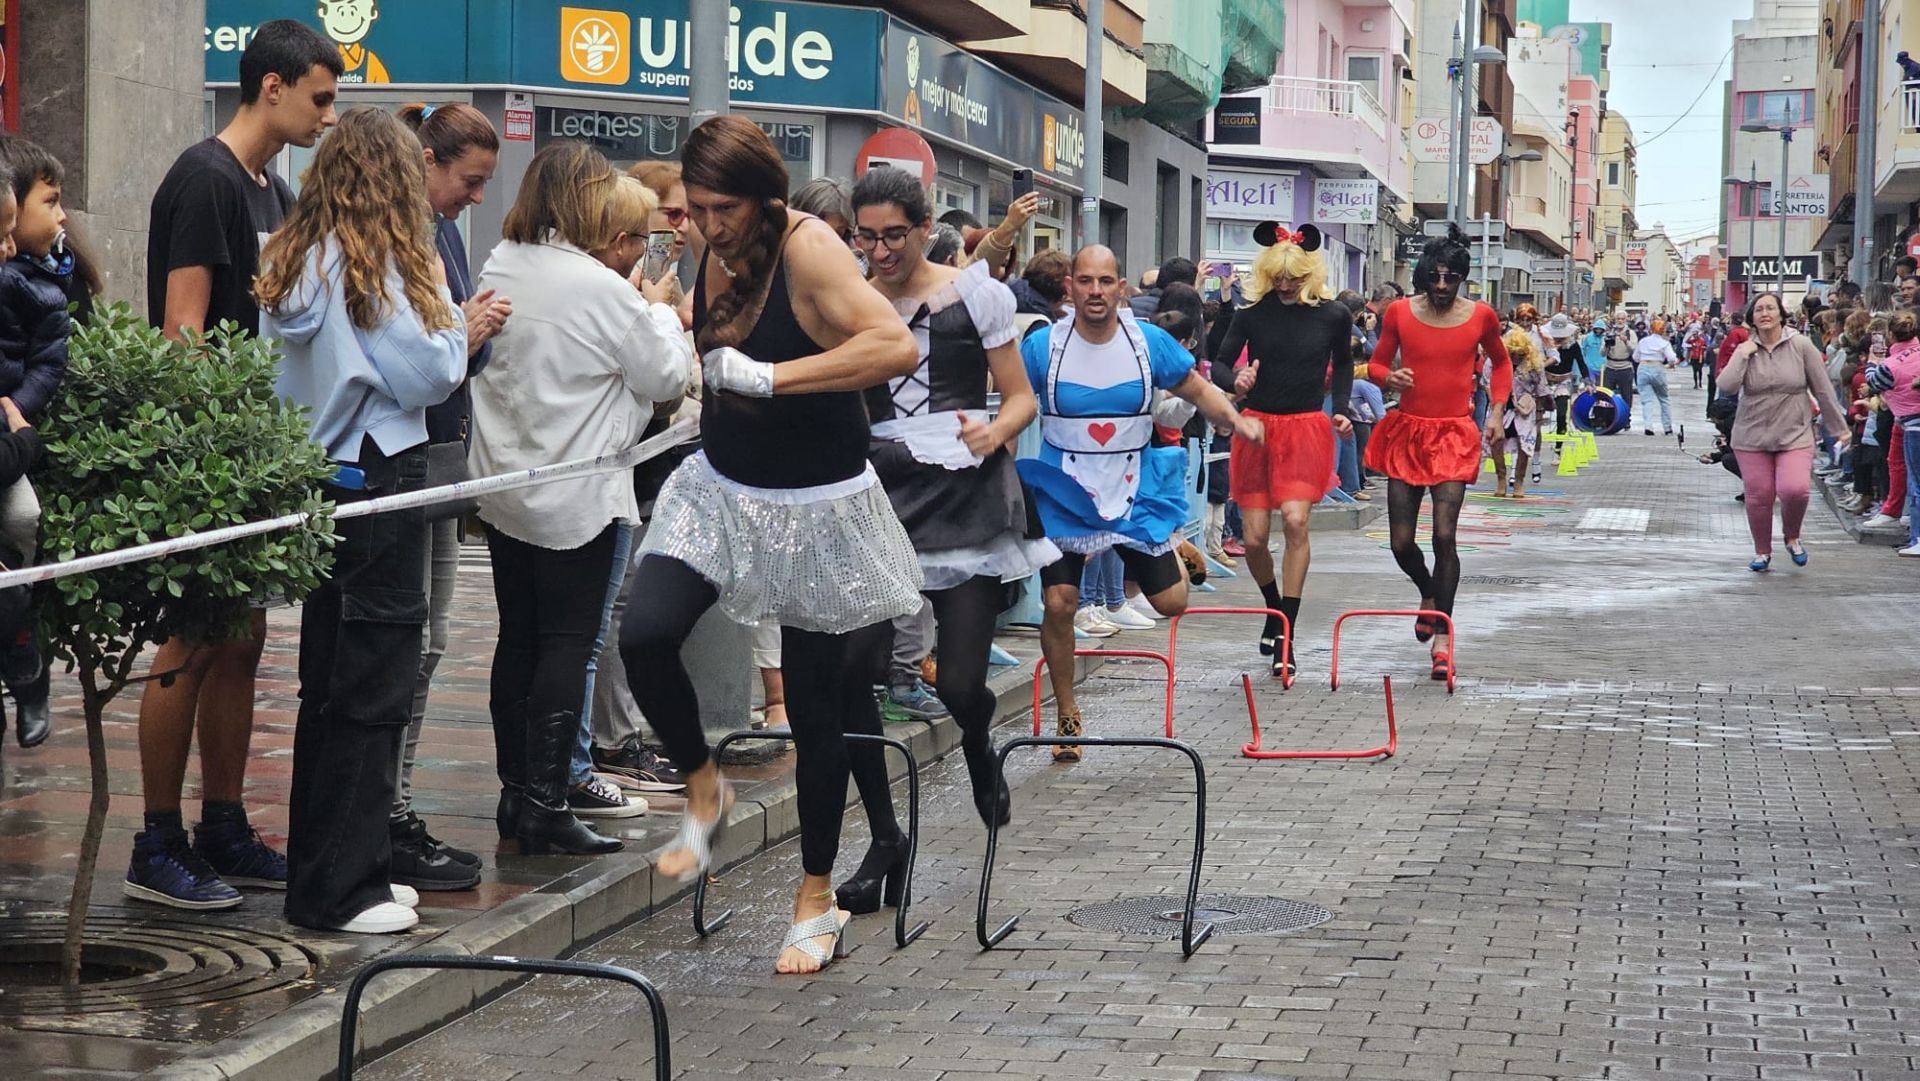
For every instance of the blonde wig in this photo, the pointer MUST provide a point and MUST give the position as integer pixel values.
(1288, 260)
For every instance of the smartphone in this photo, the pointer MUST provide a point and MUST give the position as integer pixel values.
(1022, 182)
(659, 257)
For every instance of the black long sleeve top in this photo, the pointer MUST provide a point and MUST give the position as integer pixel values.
(1296, 344)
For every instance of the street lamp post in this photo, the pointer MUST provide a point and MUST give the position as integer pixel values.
(1506, 159)
(1785, 129)
(1459, 166)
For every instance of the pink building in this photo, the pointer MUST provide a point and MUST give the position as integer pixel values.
(1584, 100)
(1334, 111)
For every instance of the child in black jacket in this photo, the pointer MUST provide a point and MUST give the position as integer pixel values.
(35, 281)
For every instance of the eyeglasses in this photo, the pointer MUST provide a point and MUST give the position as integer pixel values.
(675, 215)
(1443, 276)
(894, 239)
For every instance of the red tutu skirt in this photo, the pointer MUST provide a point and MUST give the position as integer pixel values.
(1424, 451)
(1295, 464)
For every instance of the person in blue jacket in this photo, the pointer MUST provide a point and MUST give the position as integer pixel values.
(1099, 482)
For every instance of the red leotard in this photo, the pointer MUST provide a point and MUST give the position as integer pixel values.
(1444, 360)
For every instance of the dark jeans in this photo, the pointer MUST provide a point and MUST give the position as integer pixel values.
(551, 603)
(1621, 382)
(359, 634)
(1870, 471)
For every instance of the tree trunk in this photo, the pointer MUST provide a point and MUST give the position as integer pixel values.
(94, 705)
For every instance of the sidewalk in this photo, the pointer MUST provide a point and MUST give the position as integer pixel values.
(275, 1010)
(1659, 832)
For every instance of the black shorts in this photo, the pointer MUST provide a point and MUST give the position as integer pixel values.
(1153, 574)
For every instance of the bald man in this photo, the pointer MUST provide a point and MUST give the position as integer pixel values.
(1099, 482)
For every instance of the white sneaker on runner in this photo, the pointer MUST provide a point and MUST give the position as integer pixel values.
(1092, 621)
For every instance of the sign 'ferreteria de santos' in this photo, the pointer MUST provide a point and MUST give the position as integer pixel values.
(795, 54)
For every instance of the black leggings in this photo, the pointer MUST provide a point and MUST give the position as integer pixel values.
(1403, 514)
(964, 617)
(1561, 403)
(829, 691)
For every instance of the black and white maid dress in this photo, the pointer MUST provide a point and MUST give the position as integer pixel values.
(966, 516)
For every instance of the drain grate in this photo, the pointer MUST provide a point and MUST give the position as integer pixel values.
(164, 964)
(1229, 914)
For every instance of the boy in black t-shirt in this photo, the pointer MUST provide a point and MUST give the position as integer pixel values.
(209, 218)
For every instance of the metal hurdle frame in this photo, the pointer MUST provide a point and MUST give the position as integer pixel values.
(903, 936)
(1251, 749)
(1173, 643)
(1190, 936)
(350, 1023)
(1453, 639)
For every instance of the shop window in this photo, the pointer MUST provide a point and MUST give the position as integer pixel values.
(1113, 161)
(626, 138)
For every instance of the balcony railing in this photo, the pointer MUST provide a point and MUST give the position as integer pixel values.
(1300, 96)
(1910, 106)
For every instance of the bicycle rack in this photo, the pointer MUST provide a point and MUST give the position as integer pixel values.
(1040, 666)
(1385, 750)
(350, 1024)
(1453, 639)
(1190, 938)
(902, 936)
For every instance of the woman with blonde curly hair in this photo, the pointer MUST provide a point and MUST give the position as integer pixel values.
(1292, 341)
(1520, 414)
(370, 338)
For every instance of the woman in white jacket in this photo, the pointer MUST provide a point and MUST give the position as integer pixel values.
(369, 338)
(576, 373)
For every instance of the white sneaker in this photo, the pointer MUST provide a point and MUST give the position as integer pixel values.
(1142, 606)
(405, 896)
(385, 918)
(1911, 551)
(1092, 621)
(1880, 520)
(1125, 618)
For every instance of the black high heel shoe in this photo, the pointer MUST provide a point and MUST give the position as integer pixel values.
(881, 878)
(1269, 636)
(999, 804)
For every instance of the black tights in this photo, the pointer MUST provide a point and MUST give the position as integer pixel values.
(1560, 405)
(1403, 513)
(964, 618)
(829, 691)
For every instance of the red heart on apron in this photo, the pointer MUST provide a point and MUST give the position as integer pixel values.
(1101, 432)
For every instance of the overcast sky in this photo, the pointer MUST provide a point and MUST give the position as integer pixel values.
(1664, 53)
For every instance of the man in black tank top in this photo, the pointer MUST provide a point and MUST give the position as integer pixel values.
(780, 519)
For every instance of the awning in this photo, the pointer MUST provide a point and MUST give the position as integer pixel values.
(1839, 230)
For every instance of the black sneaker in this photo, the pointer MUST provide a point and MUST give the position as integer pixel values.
(420, 862)
(599, 798)
(165, 870)
(635, 767)
(237, 854)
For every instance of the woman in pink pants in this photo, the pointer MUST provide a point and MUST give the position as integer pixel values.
(1773, 432)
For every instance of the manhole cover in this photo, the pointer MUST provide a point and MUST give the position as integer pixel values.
(146, 964)
(1229, 914)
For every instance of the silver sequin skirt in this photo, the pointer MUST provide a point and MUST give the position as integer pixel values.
(831, 559)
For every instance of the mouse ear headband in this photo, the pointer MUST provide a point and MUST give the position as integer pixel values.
(1269, 233)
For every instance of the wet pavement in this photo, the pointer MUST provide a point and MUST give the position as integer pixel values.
(1661, 830)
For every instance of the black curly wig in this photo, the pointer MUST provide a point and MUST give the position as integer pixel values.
(1453, 251)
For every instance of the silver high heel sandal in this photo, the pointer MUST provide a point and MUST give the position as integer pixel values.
(699, 837)
(801, 937)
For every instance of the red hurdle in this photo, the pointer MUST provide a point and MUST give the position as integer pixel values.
(1453, 639)
(1173, 640)
(1385, 750)
(1040, 666)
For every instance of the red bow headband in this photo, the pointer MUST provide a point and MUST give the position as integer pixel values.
(1269, 233)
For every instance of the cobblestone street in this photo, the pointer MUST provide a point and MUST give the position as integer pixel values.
(1660, 831)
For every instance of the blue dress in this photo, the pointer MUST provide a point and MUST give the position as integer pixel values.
(1109, 385)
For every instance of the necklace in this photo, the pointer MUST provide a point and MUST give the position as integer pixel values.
(724, 268)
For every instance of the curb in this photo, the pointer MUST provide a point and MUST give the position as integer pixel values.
(1851, 523)
(575, 910)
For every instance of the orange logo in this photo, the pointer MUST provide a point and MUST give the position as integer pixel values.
(593, 46)
(1047, 123)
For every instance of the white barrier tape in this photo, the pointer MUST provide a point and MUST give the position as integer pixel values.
(526, 478)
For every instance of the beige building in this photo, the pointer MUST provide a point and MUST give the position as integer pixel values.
(1619, 181)
(1896, 166)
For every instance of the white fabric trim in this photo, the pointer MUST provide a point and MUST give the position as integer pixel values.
(933, 438)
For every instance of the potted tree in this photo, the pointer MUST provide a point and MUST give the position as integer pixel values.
(155, 439)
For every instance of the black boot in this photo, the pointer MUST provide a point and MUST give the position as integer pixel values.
(881, 878)
(990, 795)
(32, 721)
(510, 763)
(546, 825)
(422, 864)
